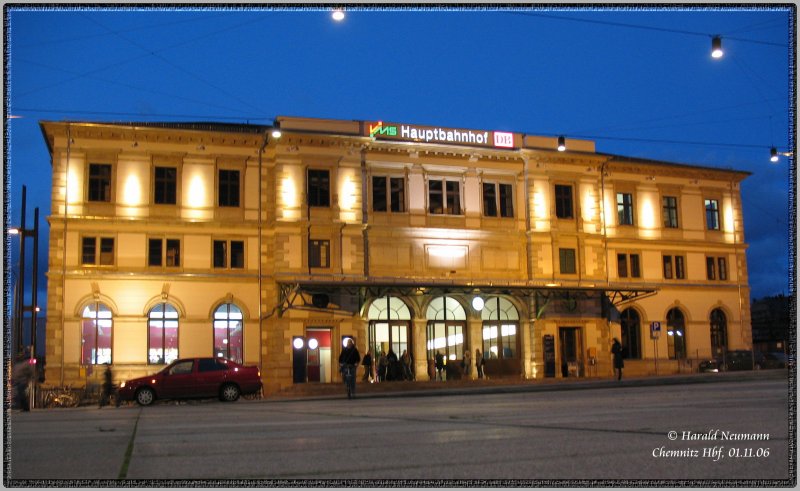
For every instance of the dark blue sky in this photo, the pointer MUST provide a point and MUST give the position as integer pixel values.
(639, 82)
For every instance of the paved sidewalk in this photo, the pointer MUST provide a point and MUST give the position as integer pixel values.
(498, 386)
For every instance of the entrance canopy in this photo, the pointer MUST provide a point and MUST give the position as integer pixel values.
(349, 297)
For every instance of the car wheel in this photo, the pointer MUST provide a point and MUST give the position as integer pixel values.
(229, 393)
(145, 396)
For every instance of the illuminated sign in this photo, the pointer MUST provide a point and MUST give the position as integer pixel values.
(433, 134)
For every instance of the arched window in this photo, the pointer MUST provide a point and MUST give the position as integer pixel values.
(96, 330)
(676, 334)
(631, 338)
(446, 326)
(228, 332)
(500, 327)
(719, 332)
(162, 334)
(389, 326)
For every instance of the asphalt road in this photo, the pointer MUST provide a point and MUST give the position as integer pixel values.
(620, 433)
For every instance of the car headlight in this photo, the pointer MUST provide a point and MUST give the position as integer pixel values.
(122, 385)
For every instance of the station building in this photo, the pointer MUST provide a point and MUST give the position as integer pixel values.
(172, 240)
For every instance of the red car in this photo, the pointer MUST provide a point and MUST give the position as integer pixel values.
(194, 378)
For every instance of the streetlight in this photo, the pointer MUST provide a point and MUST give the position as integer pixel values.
(337, 15)
(716, 47)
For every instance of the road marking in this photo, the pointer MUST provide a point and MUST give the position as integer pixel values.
(123, 472)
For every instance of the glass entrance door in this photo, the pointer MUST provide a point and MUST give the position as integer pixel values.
(570, 350)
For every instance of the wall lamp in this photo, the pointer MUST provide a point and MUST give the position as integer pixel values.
(562, 143)
(337, 15)
(716, 47)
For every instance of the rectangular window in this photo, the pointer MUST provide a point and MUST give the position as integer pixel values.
(398, 194)
(97, 251)
(566, 259)
(379, 195)
(99, 183)
(489, 200)
(680, 272)
(228, 192)
(711, 268)
(564, 201)
(164, 252)
(497, 197)
(453, 198)
(388, 193)
(670, 211)
(228, 252)
(319, 187)
(444, 197)
(628, 265)
(166, 184)
(722, 265)
(319, 253)
(668, 272)
(435, 197)
(154, 251)
(712, 214)
(624, 209)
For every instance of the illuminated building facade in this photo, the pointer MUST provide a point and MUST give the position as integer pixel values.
(173, 239)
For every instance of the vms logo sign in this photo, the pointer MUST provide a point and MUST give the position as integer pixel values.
(380, 129)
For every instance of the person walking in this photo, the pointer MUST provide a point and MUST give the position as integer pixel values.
(105, 393)
(616, 351)
(348, 360)
(467, 365)
(439, 359)
(367, 362)
(479, 362)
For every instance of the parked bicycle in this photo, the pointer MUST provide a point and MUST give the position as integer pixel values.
(61, 397)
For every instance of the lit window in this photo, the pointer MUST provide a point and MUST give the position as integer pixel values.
(96, 330)
(228, 332)
(162, 334)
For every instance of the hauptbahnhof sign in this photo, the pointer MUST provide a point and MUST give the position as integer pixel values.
(434, 134)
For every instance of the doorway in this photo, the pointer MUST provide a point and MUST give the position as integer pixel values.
(570, 351)
(318, 361)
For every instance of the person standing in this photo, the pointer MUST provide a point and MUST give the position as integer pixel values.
(479, 362)
(383, 365)
(467, 365)
(439, 365)
(105, 393)
(616, 351)
(367, 362)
